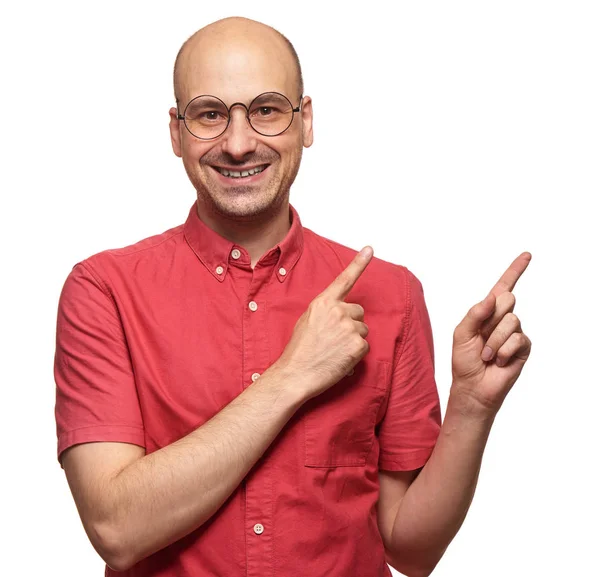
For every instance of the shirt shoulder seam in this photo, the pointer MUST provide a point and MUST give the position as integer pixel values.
(407, 317)
(87, 265)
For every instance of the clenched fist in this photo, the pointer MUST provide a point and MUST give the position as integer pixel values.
(329, 338)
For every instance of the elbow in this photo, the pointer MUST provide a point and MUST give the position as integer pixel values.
(411, 567)
(110, 545)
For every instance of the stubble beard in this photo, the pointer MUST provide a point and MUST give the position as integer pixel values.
(243, 203)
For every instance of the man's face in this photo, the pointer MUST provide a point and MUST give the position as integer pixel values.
(238, 72)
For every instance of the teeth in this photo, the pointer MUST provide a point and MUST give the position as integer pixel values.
(235, 174)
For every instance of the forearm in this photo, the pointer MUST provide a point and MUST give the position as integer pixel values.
(436, 503)
(169, 493)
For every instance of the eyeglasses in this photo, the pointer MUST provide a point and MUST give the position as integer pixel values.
(207, 117)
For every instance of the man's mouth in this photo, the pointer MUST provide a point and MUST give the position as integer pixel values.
(245, 173)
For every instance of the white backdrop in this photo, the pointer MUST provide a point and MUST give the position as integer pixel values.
(451, 136)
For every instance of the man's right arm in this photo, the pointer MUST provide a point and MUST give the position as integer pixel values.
(132, 511)
(133, 505)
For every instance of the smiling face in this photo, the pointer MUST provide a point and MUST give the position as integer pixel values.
(241, 174)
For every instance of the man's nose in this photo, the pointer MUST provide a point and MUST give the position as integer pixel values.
(239, 138)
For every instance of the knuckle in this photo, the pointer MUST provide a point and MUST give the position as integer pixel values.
(357, 342)
(508, 298)
(338, 312)
(513, 319)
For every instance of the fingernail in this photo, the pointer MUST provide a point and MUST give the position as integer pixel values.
(366, 252)
(487, 353)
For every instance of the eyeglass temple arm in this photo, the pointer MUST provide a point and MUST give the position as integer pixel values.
(297, 109)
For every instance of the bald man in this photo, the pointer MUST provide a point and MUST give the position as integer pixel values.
(240, 396)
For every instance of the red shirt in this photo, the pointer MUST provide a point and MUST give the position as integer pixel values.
(156, 338)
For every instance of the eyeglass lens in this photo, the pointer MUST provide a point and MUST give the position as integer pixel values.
(269, 114)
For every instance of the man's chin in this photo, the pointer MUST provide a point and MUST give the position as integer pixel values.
(244, 203)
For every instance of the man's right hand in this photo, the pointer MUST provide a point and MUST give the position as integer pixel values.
(329, 338)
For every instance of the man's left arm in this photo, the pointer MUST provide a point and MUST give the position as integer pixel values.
(419, 517)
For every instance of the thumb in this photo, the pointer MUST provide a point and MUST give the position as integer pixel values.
(474, 319)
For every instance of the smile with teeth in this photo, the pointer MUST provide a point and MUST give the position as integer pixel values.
(241, 174)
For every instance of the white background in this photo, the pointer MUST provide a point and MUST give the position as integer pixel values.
(451, 136)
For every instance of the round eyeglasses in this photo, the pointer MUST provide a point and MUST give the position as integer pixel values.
(207, 117)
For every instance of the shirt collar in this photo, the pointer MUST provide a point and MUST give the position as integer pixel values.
(217, 253)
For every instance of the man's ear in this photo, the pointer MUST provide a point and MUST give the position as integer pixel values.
(307, 121)
(174, 128)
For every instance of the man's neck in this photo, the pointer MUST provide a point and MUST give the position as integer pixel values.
(257, 236)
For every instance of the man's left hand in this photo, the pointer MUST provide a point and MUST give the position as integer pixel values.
(489, 348)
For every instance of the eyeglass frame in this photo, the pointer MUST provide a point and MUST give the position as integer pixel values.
(294, 110)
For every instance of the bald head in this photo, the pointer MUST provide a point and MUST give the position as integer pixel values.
(231, 50)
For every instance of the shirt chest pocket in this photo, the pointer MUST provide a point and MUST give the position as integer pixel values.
(339, 424)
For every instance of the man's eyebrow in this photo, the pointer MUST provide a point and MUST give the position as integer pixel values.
(208, 99)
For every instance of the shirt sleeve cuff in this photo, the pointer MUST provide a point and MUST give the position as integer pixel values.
(405, 461)
(115, 433)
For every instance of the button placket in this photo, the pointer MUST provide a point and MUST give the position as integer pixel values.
(259, 485)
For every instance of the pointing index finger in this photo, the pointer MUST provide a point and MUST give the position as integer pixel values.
(343, 284)
(512, 274)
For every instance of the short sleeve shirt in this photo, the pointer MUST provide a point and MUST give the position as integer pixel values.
(156, 338)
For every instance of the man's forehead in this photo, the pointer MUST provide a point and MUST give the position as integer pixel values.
(238, 75)
(236, 62)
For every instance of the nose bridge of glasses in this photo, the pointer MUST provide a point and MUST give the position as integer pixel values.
(239, 129)
(230, 110)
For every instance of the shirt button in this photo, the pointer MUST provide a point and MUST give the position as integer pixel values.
(282, 271)
(255, 376)
(235, 253)
(253, 306)
(219, 270)
(258, 528)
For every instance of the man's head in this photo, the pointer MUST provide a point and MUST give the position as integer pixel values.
(235, 60)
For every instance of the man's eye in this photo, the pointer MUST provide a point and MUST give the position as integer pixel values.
(265, 110)
(210, 115)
